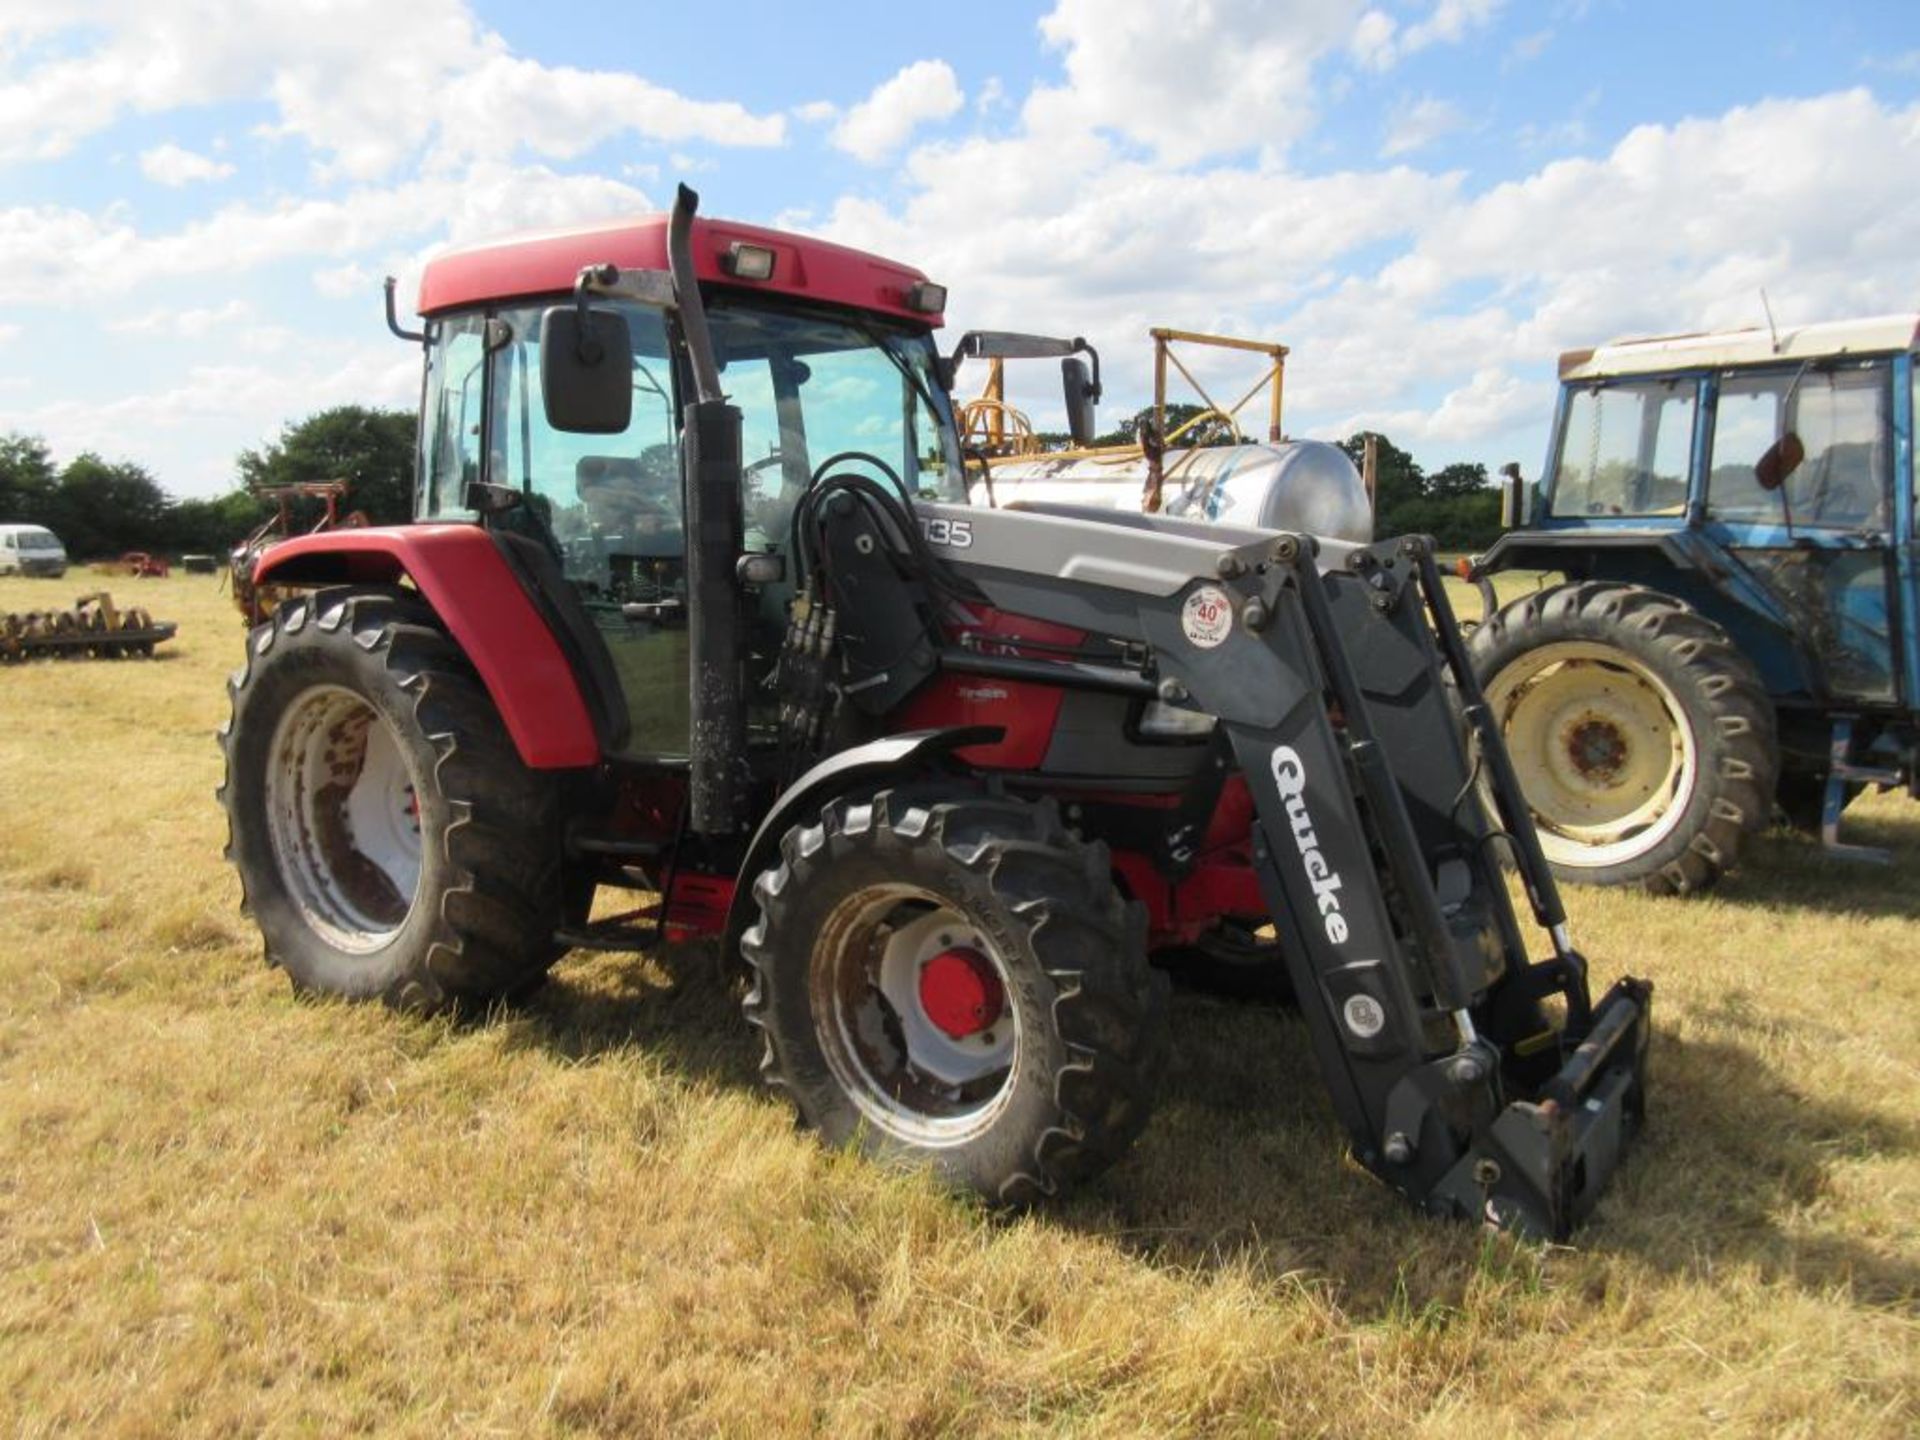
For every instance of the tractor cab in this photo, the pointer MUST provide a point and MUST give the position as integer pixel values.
(603, 509)
(1764, 479)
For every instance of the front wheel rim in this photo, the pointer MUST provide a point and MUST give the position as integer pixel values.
(909, 1078)
(1602, 747)
(343, 816)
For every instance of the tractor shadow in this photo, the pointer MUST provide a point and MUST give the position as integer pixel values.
(1789, 872)
(669, 1004)
(1244, 1167)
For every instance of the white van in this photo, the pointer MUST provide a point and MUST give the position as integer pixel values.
(31, 550)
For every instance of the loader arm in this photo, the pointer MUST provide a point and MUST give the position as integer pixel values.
(1339, 680)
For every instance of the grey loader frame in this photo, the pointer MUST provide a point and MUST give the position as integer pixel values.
(1384, 800)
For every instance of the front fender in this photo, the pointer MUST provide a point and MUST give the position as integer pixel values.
(861, 765)
(462, 575)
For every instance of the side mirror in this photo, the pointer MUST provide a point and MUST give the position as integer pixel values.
(1081, 396)
(1783, 457)
(586, 370)
(1513, 496)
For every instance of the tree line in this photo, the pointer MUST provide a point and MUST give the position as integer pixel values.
(104, 507)
(101, 508)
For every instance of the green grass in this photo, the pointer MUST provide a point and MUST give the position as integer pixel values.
(224, 1210)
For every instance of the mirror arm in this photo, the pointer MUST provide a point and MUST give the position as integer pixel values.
(971, 346)
(393, 318)
(586, 349)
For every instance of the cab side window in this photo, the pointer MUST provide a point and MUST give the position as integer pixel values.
(455, 414)
(609, 505)
(1804, 447)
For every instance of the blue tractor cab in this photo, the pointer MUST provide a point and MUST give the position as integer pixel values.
(1734, 518)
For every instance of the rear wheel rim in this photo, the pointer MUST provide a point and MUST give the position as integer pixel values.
(906, 1075)
(1602, 747)
(343, 814)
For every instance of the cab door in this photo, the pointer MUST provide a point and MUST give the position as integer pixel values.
(1800, 488)
(609, 510)
(1906, 481)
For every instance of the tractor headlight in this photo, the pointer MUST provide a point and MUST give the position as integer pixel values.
(1161, 721)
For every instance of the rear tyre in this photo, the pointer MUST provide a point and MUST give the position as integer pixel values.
(952, 980)
(389, 841)
(1643, 740)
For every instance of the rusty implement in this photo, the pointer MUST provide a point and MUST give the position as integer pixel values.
(93, 629)
(256, 603)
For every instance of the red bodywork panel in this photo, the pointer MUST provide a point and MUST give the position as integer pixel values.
(1221, 880)
(548, 262)
(1026, 712)
(479, 600)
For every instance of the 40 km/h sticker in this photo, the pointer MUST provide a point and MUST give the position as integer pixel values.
(1207, 617)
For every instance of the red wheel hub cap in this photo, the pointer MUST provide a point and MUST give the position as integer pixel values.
(960, 992)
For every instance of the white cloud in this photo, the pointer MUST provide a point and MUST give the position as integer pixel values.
(1451, 340)
(1824, 194)
(337, 282)
(170, 164)
(1677, 228)
(367, 84)
(1491, 403)
(1380, 42)
(560, 113)
(48, 251)
(1234, 76)
(1527, 48)
(816, 112)
(1372, 41)
(1907, 62)
(1414, 124)
(880, 124)
(188, 324)
(1448, 23)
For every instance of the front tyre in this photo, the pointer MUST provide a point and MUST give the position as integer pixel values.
(1642, 738)
(389, 841)
(952, 980)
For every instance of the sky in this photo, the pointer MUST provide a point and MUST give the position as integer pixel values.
(1427, 200)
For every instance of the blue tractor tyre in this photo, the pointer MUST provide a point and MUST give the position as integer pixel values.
(1643, 737)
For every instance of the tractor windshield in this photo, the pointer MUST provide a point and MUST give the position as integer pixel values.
(812, 385)
(1625, 449)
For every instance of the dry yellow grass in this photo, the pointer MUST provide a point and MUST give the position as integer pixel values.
(223, 1210)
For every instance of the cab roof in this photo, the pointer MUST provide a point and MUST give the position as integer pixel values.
(546, 263)
(1877, 335)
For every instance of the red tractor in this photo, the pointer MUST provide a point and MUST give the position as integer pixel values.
(695, 605)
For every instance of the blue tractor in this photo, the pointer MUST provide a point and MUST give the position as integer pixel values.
(1736, 631)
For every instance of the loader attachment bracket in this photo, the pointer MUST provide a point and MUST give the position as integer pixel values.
(1383, 799)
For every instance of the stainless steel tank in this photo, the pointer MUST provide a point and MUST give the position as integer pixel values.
(1304, 485)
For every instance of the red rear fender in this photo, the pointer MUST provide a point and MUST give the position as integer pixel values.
(480, 601)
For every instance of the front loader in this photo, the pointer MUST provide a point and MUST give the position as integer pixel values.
(695, 606)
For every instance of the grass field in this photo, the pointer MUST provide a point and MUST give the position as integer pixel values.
(226, 1211)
